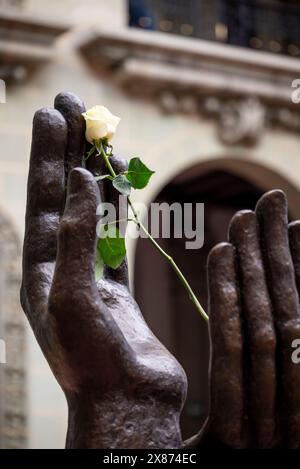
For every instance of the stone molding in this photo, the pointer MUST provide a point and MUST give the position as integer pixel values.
(192, 76)
(25, 44)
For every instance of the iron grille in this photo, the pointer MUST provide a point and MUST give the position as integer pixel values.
(268, 25)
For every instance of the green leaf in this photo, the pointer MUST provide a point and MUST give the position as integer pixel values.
(138, 173)
(99, 266)
(111, 246)
(104, 176)
(122, 184)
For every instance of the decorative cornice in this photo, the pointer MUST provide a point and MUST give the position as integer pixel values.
(25, 44)
(195, 76)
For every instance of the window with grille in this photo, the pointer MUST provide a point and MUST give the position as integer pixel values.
(267, 25)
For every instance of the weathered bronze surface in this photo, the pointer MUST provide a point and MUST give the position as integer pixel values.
(123, 388)
(254, 318)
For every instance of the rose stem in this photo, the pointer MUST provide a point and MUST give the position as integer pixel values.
(171, 261)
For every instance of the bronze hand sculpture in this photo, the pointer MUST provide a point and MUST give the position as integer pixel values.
(123, 388)
(254, 285)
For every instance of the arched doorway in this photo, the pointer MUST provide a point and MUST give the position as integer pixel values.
(225, 186)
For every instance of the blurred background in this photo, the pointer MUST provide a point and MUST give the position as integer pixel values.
(204, 90)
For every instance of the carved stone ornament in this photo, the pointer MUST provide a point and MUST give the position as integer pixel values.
(242, 122)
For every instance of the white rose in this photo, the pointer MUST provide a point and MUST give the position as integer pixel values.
(100, 123)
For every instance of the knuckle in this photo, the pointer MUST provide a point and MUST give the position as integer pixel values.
(264, 340)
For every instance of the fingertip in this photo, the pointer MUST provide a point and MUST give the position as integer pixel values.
(294, 240)
(50, 121)
(271, 200)
(71, 107)
(294, 227)
(81, 180)
(221, 272)
(220, 252)
(82, 197)
(70, 103)
(49, 143)
(240, 222)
